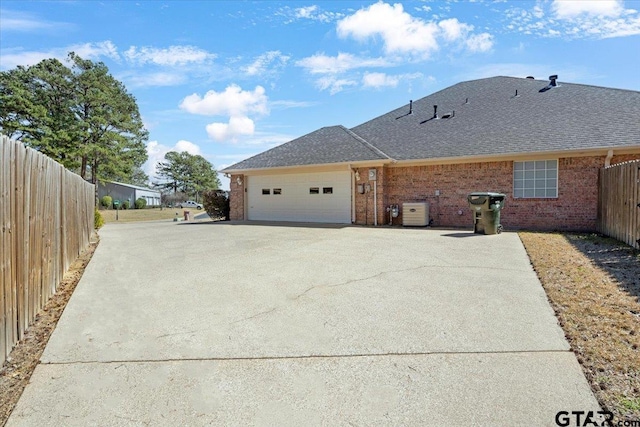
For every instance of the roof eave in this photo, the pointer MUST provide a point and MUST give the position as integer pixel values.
(339, 165)
(598, 151)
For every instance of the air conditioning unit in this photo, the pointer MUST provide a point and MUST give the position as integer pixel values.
(415, 214)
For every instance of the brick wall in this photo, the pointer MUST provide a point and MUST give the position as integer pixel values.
(575, 208)
(236, 198)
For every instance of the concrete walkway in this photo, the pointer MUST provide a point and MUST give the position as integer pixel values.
(248, 324)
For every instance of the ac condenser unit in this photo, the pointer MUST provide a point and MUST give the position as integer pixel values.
(415, 214)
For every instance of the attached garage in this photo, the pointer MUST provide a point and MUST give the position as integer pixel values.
(300, 197)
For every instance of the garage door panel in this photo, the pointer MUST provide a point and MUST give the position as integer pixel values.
(295, 203)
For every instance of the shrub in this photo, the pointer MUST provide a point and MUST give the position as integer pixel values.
(140, 203)
(216, 203)
(106, 201)
(98, 221)
(125, 205)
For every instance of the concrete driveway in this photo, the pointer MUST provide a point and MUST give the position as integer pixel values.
(251, 324)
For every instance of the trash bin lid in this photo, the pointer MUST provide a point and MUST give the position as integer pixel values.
(486, 194)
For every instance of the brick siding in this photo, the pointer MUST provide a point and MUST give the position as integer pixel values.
(575, 208)
(236, 198)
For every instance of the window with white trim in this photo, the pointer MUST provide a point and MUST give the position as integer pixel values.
(535, 179)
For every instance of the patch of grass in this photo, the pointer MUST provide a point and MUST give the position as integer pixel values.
(631, 404)
(593, 284)
(154, 214)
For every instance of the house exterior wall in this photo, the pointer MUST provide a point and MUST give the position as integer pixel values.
(575, 208)
(236, 197)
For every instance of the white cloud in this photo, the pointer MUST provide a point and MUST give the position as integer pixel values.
(233, 102)
(96, 50)
(575, 19)
(568, 9)
(334, 84)
(171, 56)
(14, 57)
(313, 13)
(187, 146)
(237, 126)
(261, 64)
(403, 34)
(157, 151)
(323, 64)
(399, 31)
(454, 29)
(480, 42)
(378, 80)
(305, 12)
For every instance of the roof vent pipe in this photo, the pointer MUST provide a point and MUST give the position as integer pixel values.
(435, 111)
(553, 79)
(410, 106)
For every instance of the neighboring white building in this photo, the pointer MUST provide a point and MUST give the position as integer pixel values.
(122, 192)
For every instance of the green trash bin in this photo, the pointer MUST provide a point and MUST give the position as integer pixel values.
(486, 209)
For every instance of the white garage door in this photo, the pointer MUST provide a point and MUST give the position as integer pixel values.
(308, 197)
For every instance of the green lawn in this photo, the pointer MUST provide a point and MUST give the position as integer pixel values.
(151, 214)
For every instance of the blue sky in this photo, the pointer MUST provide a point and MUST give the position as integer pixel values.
(229, 79)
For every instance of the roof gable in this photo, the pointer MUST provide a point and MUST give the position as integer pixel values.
(334, 144)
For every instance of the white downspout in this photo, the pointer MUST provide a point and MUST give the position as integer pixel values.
(375, 203)
(607, 161)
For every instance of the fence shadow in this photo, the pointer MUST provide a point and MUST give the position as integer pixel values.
(618, 260)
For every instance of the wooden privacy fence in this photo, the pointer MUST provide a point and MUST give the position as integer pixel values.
(46, 220)
(618, 202)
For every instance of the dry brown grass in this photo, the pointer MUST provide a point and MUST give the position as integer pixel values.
(593, 284)
(154, 214)
(23, 359)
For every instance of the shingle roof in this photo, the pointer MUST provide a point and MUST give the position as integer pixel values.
(493, 121)
(334, 144)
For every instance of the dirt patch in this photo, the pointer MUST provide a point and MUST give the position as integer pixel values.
(593, 284)
(25, 356)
